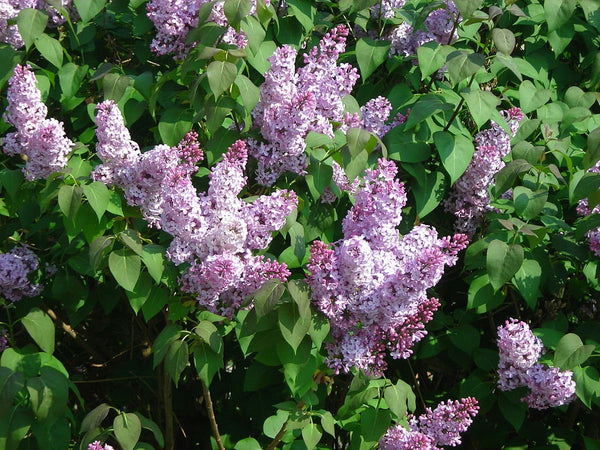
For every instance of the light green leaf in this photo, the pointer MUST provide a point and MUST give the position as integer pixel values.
(482, 105)
(527, 280)
(174, 123)
(176, 359)
(304, 11)
(571, 352)
(455, 152)
(293, 326)
(504, 40)
(532, 98)
(41, 329)
(328, 423)
(114, 86)
(50, 49)
(154, 260)
(69, 200)
(210, 335)
(98, 196)
(528, 203)
(247, 444)
(221, 75)
(502, 262)
(432, 56)
(88, 9)
(397, 398)
(462, 64)
(31, 24)
(127, 428)
(236, 10)
(466, 8)
(311, 435)
(558, 12)
(125, 267)
(249, 93)
(267, 297)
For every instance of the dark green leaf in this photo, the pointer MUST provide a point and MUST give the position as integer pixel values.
(527, 280)
(131, 239)
(432, 56)
(502, 262)
(293, 326)
(236, 10)
(125, 267)
(370, 54)
(466, 338)
(318, 178)
(482, 105)
(512, 408)
(267, 297)
(532, 98)
(504, 40)
(174, 123)
(571, 352)
(114, 86)
(221, 75)
(163, 341)
(528, 203)
(249, 93)
(207, 362)
(98, 196)
(210, 335)
(154, 260)
(127, 428)
(455, 152)
(462, 64)
(41, 329)
(94, 418)
(558, 12)
(592, 153)
(304, 11)
(507, 176)
(176, 359)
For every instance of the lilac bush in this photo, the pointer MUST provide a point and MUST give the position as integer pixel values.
(17, 267)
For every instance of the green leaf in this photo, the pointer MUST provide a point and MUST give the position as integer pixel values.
(163, 341)
(210, 335)
(508, 62)
(370, 54)
(94, 418)
(131, 239)
(221, 75)
(88, 9)
(304, 11)
(125, 267)
(432, 56)
(293, 326)
(97, 250)
(70, 77)
(455, 152)
(462, 64)
(319, 329)
(153, 427)
(429, 191)
(426, 106)
(587, 380)
(466, 338)
(328, 423)
(466, 8)
(502, 262)
(127, 428)
(504, 40)
(154, 260)
(508, 174)
(571, 352)
(48, 395)
(98, 196)
(300, 293)
(482, 104)
(216, 111)
(69, 200)
(247, 444)
(207, 362)
(356, 5)
(357, 140)
(255, 33)
(249, 93)
(258, 58)
(267, 297)
(354, 165)
(584, 187)
(50, 49)
(373, 424)
(527, 280)
(236, 10)
(174, 124)
(592, 153)
(41, 329)
(138, 297)
(528, 203)
(558, 12)
(512, 408)
(318, 178)
(311, 435)
(532, 98)
(114, 86)
(273, 424)
(31, 24)
(176, 359)
(398, 396)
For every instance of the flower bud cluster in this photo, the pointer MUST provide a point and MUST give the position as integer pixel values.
(16, 267)
(441, 426)
(372, 284)
(41, 141)
(174, 19)
(519, 350)
(470, 199)
(214, 232)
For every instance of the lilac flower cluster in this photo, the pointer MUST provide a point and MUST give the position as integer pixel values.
(15, 269)
(440, 26)
(174, 19)
(214, 232)
(97, 445)
(519, 350)
(3, 339)
(441, 426)
(41, 141)
(583, 209)
(9, 10)
(373, 282)
(469, 199)
(386, 9)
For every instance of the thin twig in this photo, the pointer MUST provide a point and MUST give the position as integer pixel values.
(278, 437)
(416, 384)
(211, 416)
(109, 380)
(167, 390)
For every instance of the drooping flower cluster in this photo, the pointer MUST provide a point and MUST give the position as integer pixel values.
(97, 445)
(9, 10)
(469, 199)
(16, 267)
(373, 282)
(519, 350)
(441, 426)
(440, 26)
(174, 19)
(583, 209)
(42, 141)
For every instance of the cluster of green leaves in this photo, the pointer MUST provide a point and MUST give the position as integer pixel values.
(129, 330)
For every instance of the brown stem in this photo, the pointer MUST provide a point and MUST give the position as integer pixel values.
(211, 416)
(278, 437)
(416, 384)
(167, 390)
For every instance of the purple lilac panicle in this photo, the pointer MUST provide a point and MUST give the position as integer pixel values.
(583, 209)
(42, 141)
(15, 268)
(469, 199)
(3, 339)
(97, 445)
(373, 282)
(441, 426)
(519, 350)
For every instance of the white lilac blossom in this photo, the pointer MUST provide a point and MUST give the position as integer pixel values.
(16, 267)
(97, 445)
(372, 284)
(519, 350)
(583, 209)
(174, 19)
(441, 426)
(40, 140)
(440, 26)
(469, 199)
(215, 232)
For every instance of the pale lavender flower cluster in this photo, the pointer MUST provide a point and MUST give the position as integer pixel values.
(583, 209)
(9, 10)
(4, 344)
(40, 140)
(373, 283)
(469, 199)
(440, 26)
(16, 267)
(519, 350)
(386, 9)
(97, 445)
(441, 426)
(174, 19)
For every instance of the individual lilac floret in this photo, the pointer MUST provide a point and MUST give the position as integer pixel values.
(15, 269)
(215, 233)
(97, 445)
(4, 344)
(440, 26)
(373, 283)
(174, 19)
(441, 426)
(9, 10)
(470, 199)
(519, 350)
(42, 141)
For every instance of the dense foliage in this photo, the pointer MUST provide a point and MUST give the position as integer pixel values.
(299, 224)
